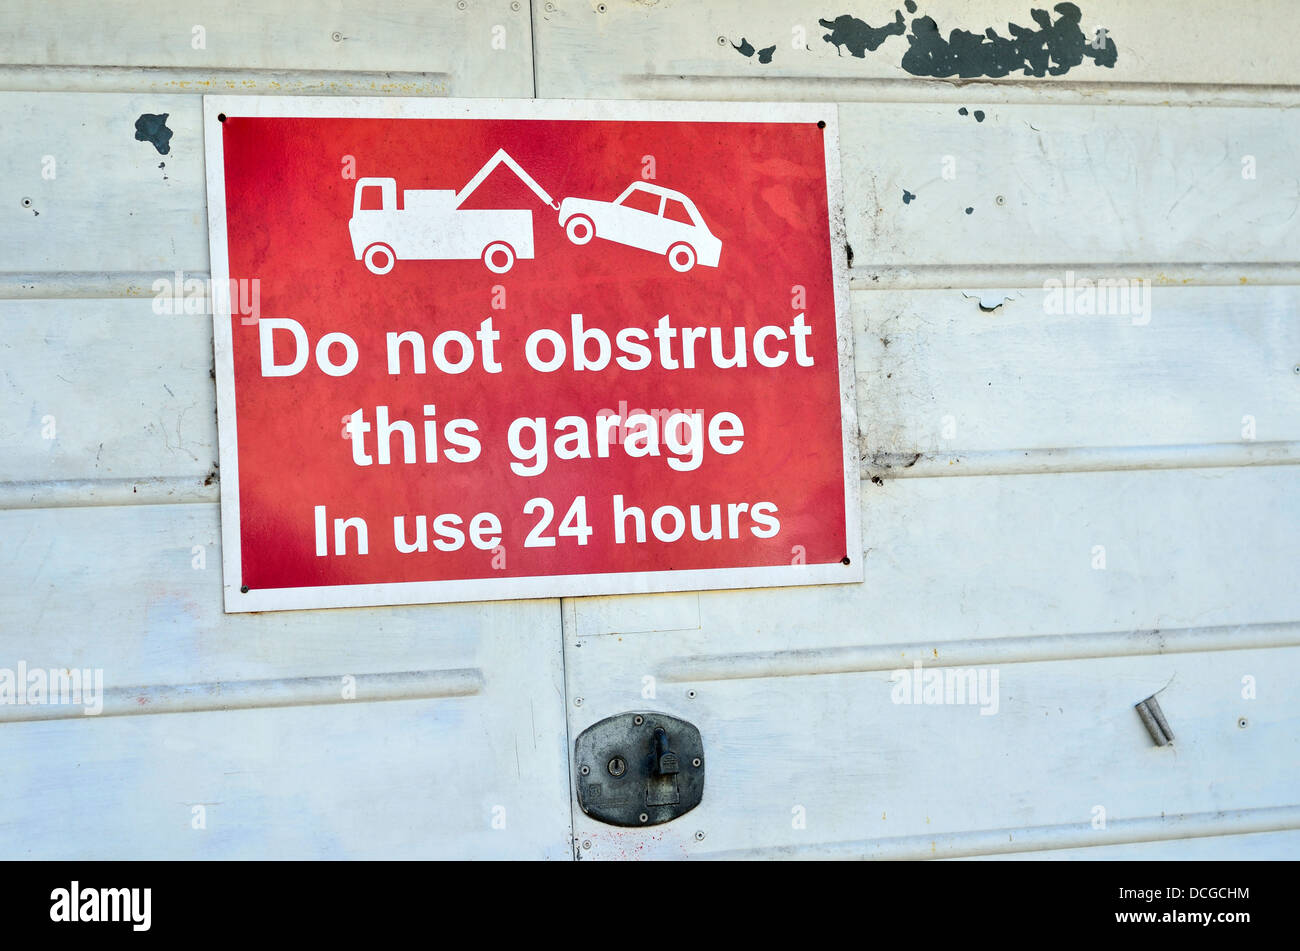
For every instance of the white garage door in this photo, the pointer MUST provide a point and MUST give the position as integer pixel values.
(1074, 507)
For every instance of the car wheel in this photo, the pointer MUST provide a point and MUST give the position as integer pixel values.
(499, 257)
(580, 229)
(682, 257)
(379, 258)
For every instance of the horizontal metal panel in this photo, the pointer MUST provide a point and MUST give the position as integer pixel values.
(832, 767)
(106, 389)
(90, 196)
(475, 49)
(939, 375)
(1013, 556)
(446, 778)
(925, 185)
(366, 733)
(779, 50)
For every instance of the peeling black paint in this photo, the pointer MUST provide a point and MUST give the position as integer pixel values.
(857, 36)
(988, 301)
(1054, 48)
(848, 250)
(1051, 47)
(153, 129)
(907, 197)
(747, 49)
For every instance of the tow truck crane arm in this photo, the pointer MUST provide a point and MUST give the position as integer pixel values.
(497, 159)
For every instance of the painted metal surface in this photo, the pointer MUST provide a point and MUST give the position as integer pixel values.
(965, 201)
(1171, 443)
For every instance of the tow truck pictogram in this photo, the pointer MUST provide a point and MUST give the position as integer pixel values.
(430, 224)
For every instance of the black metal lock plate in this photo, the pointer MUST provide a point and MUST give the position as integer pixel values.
(639, 769)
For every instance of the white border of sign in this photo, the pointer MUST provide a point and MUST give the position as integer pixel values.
(544, 586)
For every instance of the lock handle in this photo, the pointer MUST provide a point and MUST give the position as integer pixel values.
(665, 759)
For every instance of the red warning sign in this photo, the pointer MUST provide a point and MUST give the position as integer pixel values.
(473, 350)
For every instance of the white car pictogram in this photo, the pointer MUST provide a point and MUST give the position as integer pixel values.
(676, 230)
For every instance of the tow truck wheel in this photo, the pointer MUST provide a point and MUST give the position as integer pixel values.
(379, 258)
(499, 257)
(682, 257)
(580, 229)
